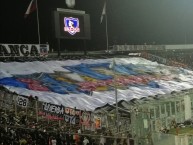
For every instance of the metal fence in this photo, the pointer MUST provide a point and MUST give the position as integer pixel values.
(163, 139)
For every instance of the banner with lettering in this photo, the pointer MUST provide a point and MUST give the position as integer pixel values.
(50, 116)
(72, 115)
(24, 50)
(22, 101)
(53, 109)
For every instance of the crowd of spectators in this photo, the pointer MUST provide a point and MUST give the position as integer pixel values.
(23, 136)
(181, 56)
(20, 131)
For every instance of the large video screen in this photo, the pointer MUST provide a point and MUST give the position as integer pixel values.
(71, 26)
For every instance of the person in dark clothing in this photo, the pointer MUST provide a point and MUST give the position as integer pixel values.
(109, 141)
(58, 139)
(69, 138)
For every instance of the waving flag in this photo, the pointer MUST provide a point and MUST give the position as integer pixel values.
(112, 64)
(103, 12)
(70, 3)
(31, 8)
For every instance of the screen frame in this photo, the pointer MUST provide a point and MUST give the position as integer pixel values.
(57, 25)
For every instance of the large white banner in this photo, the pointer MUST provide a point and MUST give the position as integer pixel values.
(24, 50)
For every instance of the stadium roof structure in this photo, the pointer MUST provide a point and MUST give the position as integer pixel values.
(88, 84)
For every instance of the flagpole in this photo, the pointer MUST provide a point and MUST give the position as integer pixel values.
(106, 27)
(38, 24)
(116, 93)
(116, 96)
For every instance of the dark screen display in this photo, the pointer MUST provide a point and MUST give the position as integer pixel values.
(71, 25)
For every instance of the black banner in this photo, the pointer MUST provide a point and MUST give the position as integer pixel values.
(72, 115)
(53, 109)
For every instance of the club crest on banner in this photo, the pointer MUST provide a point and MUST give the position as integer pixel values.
(71, 25)
(44, 50)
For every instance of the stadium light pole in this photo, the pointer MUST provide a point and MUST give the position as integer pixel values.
(106, 27)
(38, 23)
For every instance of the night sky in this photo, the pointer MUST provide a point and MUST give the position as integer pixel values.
(129, 22)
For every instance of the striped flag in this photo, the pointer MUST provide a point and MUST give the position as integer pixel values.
(31, 8)
(103, 12)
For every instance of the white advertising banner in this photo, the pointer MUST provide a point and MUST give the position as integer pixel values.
(24, 50)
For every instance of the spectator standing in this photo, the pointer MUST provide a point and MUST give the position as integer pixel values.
(85, 141)
(102, 140)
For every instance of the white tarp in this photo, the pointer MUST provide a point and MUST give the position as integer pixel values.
(183, 80)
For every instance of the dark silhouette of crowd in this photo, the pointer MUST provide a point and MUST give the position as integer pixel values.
(23, 136)
(21, 131)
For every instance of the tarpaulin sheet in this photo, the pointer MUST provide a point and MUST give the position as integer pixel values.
(90, 83)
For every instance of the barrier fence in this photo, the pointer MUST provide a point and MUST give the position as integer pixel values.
(163, 139)
(31, 109)
(29, 114)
